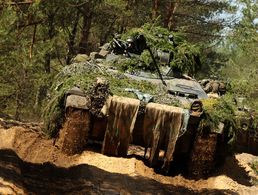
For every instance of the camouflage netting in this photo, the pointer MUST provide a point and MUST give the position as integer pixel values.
(185, 55)
(239, 130)
(84, 75)
(169, 46)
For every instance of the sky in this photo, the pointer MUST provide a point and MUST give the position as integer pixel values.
(233, 18)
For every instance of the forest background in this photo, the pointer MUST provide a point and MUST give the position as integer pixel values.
(39, 37)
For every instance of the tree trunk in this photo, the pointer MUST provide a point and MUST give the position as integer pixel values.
(104, 38)
(47, 63)
(155, 7)
(169, 20)
(71, 41)
(33, 40)
(87, 19)
(51, 34)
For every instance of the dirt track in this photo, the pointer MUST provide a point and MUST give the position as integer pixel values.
(29, 163)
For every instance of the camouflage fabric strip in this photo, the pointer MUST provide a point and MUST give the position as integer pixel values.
(162, 124)
(122, 113)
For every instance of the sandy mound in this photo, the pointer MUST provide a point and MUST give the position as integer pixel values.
(30, 163)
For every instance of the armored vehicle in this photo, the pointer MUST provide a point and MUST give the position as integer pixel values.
(167, 131)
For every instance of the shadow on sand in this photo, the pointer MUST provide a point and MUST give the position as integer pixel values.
(47, 178)
(231, 168)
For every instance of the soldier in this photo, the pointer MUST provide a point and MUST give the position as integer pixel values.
(137, 44)
(130, 45)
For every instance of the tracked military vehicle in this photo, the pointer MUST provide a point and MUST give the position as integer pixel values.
(168, 130)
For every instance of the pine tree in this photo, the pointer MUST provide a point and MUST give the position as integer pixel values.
(242, 67)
